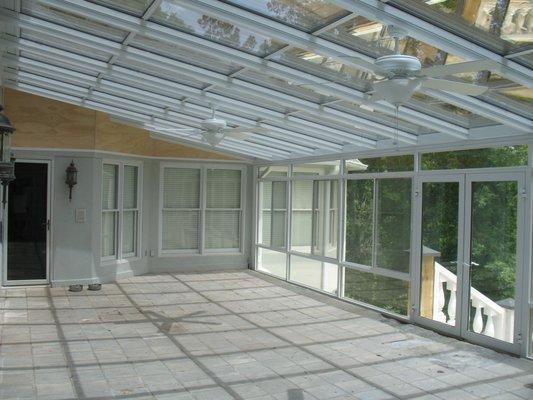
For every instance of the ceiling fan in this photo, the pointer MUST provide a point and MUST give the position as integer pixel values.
(212, 130)
(402, 75)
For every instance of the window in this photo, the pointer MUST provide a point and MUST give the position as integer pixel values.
(223, 211)
(378, 223)
(109, 210)
(201, 209)
(120, 210)
(273, 212)
(313, 206)
(181, 209)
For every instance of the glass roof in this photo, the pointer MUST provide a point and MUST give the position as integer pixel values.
(372, 38)
(229, 48)
(499, 25)
(184, 54)
(171, 14)
(283, 86)
(69, 20)
(308, 15)
(135, 7)
(325, 67)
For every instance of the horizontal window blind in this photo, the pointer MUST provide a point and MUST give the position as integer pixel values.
(130, 187)
(222, 230)
(109, 187)
(181, 208)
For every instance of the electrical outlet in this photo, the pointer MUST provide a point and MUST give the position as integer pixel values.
(152, 253)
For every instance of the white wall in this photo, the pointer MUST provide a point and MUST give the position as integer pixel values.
(75, 247)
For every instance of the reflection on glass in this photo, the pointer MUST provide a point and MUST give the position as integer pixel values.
(373, 37)
(509, 156)
(171, 13)
(493, 259)
(314, 209)
(135, 7)
(489, 21)
(380, 164)
(440, 218)
(273, 171)
(306, 15)
(318, 168)
(387, 293)
(272, 262)
(317, 274)
(273, 211)
(378, 223)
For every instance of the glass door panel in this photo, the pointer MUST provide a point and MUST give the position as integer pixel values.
(440, 250)
(492, 257)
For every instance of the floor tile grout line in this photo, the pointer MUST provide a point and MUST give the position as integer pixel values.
(200, 365)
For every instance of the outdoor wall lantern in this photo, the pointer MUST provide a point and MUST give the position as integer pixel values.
(7, 161)
(72, 178)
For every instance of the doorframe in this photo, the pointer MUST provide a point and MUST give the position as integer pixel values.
(520, 295)
(26, 282)
(416, 268)
(465, 178)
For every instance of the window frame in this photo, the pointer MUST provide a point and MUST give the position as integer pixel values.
(119, 212)
(202, 211)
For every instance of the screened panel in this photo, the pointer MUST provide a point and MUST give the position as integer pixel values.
(380, 291)
(222, 229)
(223, 188)
(393, 219)
(359, 221)
(180, 230)
(129, 231)
(314, 273)
(509, 156)
(109, 187)
(273, 262)
(129, 198)
(181, 188)
(109, 221)
(380, 164)
(273, 212)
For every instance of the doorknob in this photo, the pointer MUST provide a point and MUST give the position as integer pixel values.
(46, 224)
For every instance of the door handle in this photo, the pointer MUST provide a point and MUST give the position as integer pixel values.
(46, 224)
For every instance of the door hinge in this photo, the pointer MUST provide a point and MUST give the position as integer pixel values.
(524, 193)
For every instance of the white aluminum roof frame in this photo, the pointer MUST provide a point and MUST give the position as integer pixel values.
(139, 89)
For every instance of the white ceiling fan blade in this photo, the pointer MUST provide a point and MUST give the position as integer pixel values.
(254, 129)
(453, 86)
(239, 135)
(459, 68)
(176, 130)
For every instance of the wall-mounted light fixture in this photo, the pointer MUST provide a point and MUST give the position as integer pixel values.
(7, 161)
(72, 178)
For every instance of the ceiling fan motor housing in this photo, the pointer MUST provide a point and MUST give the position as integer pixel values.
(399, 65)
(213, 124)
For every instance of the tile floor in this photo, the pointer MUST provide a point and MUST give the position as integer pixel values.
(232, 335)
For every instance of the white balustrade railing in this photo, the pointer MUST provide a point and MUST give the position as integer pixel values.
(499, 321)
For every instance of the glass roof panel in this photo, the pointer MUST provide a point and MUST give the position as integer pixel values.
(447, 112)
(372, 38)
(283, 86)
(171, 14)
(307, 15)
(184, 54)
(66, 45)
(499, 25)
(368, 112)
(325, 67)
(135, 7)
(31, 7)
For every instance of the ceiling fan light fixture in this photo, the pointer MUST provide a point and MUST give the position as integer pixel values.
(213, 138)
